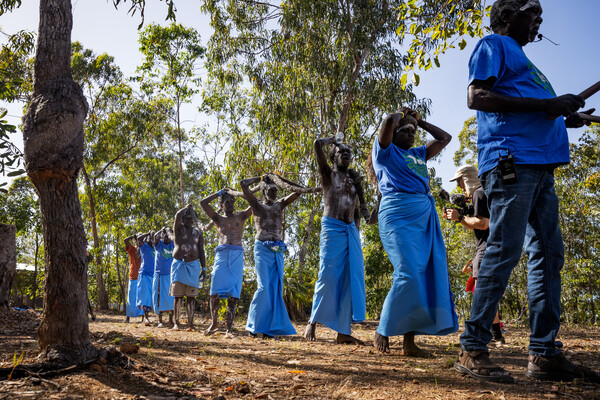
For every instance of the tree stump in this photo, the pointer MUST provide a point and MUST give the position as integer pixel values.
(8, 262)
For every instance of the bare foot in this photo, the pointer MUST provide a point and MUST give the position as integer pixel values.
(309, 332)
(381, 343)
(229, 335)
(211, 329)
(347, 339)
(412, 350)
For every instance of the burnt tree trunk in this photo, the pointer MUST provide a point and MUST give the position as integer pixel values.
(53, 139)
(8, 262)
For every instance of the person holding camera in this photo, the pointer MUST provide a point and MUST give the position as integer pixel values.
(477, 220)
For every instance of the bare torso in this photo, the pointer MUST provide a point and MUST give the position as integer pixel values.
(231, 228)
(268, 221)
(339, 196)
(187, 241)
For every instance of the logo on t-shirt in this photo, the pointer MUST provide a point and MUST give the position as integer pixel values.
(540, 79)
(166, 253)
(416, 165)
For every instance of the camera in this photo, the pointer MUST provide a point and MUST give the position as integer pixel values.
(459, 201)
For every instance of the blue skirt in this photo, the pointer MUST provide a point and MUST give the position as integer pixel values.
(267, 312)
(228, 271)
(132, 310)
(161, 300)
(339, 297)
(420, 299)
(186, 272)
(144, 291)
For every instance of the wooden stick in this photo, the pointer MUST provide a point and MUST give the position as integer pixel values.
(587, 117)
(589, 92)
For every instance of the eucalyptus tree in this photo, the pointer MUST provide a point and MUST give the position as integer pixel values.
(53, 138)
(15, 79)
(19, 206)
(578, 189)
(171, 57)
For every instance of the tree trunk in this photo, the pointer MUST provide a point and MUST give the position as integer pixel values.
(304, 247)
(35, 268)
(123, 296)
(53, 139)
(102, 295)
(8, 262)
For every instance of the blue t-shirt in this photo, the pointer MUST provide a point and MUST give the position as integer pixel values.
(147, 257)
(531, 137)
(163, 257)
(400, 170)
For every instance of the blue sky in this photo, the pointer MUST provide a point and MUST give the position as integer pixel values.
(571, 67)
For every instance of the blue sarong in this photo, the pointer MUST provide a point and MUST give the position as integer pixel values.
(267, 312)
(131, 309)
(228, 271)
(144, 291)
(161, 300)
(186, 272)
(339, 297)
(419, 300)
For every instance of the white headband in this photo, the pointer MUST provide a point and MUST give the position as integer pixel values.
(529, 4)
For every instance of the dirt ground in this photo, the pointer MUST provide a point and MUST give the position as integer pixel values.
(188, 365)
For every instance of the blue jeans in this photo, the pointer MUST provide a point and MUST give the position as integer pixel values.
(523, 212)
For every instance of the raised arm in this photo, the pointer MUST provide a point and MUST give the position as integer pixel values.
(482, 97)
(246, 213)
(205, 204)
(158, 234)
(386, 133)
(127, 240)
(202, 256)
(440, 136)
(248, 195)
(286, 201)
(324, 168)
(179, 217)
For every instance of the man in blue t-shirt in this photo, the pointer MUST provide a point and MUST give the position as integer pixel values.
(521, 140)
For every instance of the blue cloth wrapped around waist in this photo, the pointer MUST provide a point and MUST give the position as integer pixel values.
(339, 297)
(228, 271)
(161, 300)
(144, 291)
(267, 312)
(186, 272)
(420, 299)
(132, 309)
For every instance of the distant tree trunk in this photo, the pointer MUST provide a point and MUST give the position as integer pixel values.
(304, 247)
(53, 139)
(8, 262)
(121, 283)
(35, 267)
(102, 295)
